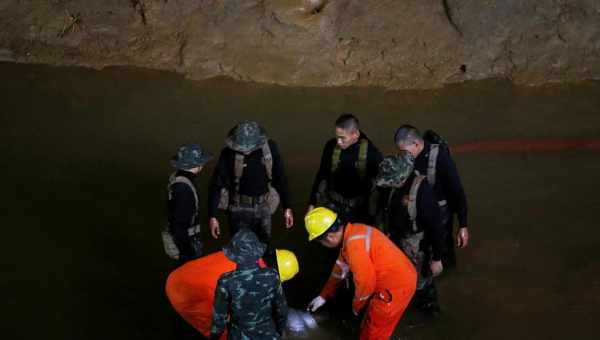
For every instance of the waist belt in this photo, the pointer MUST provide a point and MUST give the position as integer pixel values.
(350, 202)
(251, 200)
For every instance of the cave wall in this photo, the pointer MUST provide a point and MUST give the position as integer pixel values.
(387, 43)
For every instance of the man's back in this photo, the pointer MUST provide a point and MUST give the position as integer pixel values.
(191, 288)
(375, 255)
(254, 296)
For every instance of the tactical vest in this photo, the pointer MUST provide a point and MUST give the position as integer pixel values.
(182, 179)
(325, 194)
(361, 164)
(194, 227)
(412, 202)
(236, 199)
(434, 152)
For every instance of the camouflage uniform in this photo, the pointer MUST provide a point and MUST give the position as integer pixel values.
(252, 297)
(420, 243)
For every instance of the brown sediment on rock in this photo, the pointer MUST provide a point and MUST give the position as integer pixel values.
(389, 44)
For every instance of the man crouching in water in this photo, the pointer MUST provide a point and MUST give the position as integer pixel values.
(250, 299)
(191, 287)
(384, 277)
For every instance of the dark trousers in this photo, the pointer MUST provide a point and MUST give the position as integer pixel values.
(448, 252)
(256, 218)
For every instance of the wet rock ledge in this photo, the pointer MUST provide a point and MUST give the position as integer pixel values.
(387, 43)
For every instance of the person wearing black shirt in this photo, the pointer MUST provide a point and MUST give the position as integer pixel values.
(182, 203)
(437, 164)
(249, 182)
(411, 218)
(348, 166)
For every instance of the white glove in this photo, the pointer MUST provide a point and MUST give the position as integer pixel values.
(315, 304)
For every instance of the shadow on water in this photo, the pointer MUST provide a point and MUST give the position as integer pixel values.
(85, 165)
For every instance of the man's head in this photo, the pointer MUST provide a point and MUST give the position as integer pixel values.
(408, 138)
(395, 170)
(190, 157)
(324, 226)
(244, 248)
(347, 130)
(246, 137)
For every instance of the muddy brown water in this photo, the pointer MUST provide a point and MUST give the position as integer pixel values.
(85, 161)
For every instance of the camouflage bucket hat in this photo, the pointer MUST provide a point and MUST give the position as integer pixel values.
(190, 156)
(246, 137)
(244, 247)
(394, 170)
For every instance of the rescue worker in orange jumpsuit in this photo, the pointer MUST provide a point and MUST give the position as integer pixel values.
(385, 279)
(191, 287)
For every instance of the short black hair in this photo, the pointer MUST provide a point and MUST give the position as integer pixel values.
(348, 122)
(407, 134)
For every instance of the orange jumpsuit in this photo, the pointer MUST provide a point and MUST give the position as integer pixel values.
(191, 289)
(385, 279)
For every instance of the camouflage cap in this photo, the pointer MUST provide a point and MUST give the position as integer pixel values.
(190, 156)
(246, 137)
(244, 247)
(394, 170)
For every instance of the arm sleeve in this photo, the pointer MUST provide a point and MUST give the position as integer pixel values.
(429, 217)
(279, 179)
(220, 179)
(184, 208)
(374, 157)
(453, 187)
(324, 171)
(334, 280)
(279, 306)
(363, 273)
(220, 307)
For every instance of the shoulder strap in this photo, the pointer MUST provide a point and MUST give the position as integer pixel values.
(412, 200)
(361, 165)
(238, 169)
(181, 179)
(432, 162)
(335, 157)
(268, 160)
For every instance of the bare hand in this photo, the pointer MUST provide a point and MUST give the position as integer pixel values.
(289, 218)
(310, 207)
(462, 237)
(436, 267)
(215, 230)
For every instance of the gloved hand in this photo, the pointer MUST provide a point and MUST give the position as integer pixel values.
(315, 304)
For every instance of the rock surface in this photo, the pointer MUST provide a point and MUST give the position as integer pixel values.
(387, 43)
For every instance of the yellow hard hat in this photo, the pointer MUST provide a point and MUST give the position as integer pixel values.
(317, 221)
(287, 264)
